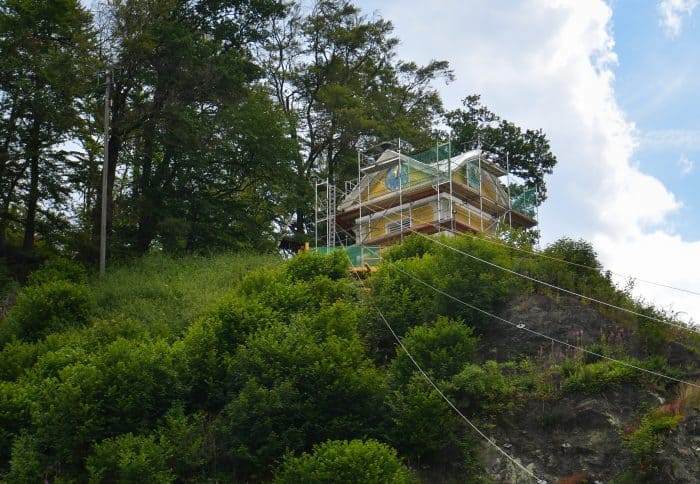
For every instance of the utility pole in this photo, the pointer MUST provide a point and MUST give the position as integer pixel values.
(105, 175)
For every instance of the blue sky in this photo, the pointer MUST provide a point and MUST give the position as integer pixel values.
(657, 84)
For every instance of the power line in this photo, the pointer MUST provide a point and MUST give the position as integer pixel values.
(525, 328)
(553, 286)
(539, 281)
(532, 331)
(444, 397)
(584, 266)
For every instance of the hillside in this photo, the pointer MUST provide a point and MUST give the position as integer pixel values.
(245, 368)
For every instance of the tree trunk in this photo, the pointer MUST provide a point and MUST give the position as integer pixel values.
(4, 160)
(33, 151)
(147, 220)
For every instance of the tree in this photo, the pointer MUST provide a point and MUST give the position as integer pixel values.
(334, 73)
(529, 154)
(201, 152)
(47, 57)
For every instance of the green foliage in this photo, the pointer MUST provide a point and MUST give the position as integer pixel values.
(594, 378)
(578, 252)
(236, 365)
(50, 307)
(412, 246)
(129, 458)
(407, 302)
(424, 427)
(27, 460)
(354, 461)
(529, 153)
(58, 269)
(442, 350)
(484, 389)
(648, 436)
(127, 387)
(189, 442)
(166, 293)
(210, 342)
(308, 265)
(298, 387)
(14, 415)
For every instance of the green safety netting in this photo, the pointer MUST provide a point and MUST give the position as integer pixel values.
(359, 256)
(433, 155)
(526, 202)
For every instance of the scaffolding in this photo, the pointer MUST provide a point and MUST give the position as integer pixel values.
(437, 190)
(325, 211)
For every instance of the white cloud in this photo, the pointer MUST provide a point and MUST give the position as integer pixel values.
(672, 12)
(688, 139)
(686, 165)
(550, 64)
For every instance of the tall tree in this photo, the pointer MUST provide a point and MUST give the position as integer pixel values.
(529, 154)
(335, 74)
(46, 49)
(184, 80)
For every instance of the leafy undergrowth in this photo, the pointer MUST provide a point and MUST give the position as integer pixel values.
(238, 368)
(167, 292)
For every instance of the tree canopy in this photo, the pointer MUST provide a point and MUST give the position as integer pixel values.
(222, 115)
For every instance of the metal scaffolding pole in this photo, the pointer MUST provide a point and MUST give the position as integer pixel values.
(358, 235)
(399, 172)
(449, 176)
(510, 209)
(481, 197)
(439, 201)
(316, 215)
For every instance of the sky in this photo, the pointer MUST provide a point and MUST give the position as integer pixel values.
(616, 87)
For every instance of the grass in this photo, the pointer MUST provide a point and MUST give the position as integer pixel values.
(166, 292)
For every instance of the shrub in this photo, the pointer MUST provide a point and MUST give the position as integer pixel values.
(597, 377)
(355, 461)
(412, 246)
(593, 378)
(483, 389)
(53, 306)
(441, 350)
(14, 416)
(127, 387)
(309, 265)
(647, 438)
(297, 387)
(210, 342)
(130, 458)
(58, 269)
(424, 427)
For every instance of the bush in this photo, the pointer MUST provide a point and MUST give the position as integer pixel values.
(647, 438)
(297, 387)
(58, 269)
(441, 350)
(593, 378)
(127, 387)
(309, 265)
(14, 416)
(424, 426)
(53, 306)
(355, 461)
(129, 458)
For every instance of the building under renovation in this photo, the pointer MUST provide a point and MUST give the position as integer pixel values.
(434, 191)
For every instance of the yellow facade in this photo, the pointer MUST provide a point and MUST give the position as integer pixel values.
(387, 203)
